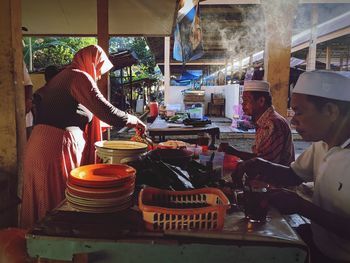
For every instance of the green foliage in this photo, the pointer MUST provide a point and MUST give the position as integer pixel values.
(119, 43)
(147, 65)
(54, 50)
(59, 51)
(140, 47)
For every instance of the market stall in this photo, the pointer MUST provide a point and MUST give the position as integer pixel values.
(114, 212)
(122, 237)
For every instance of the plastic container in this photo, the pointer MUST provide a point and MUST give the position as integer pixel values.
(114, 152)
(197, 150)
(202, 209)
(153, 109)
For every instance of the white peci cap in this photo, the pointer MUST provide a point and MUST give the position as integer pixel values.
(256, 85)
(327, 84)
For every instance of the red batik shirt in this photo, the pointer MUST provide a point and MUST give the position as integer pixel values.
(273, 141)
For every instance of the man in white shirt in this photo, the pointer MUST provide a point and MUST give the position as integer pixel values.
(321, 101)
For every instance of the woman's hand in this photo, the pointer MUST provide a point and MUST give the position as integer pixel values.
(133, 122)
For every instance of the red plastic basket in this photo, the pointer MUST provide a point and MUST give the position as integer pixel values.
(202, 209)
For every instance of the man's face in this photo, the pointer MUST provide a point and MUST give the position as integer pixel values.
(249, 105)
(311, 123)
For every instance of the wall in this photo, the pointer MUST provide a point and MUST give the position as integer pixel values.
(232, 100)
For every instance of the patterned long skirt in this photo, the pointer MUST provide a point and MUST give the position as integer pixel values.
(50, 155)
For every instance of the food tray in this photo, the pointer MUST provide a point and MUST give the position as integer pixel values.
(201, 209)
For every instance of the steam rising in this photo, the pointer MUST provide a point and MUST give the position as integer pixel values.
(248, 38)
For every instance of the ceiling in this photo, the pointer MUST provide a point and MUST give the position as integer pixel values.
(220, 25)
(233, 32)
(79, 17)
(340, 51)
(232, 29)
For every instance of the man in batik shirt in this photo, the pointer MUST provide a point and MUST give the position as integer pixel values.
(273, 140)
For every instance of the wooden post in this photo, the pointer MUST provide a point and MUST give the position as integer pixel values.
(347, 58)
(130, 85)
(226, 65)
(311, 57)
(278, 29)
(103, 39)
(166, 69)
(328, 57)
(341, 62)
(12, 109)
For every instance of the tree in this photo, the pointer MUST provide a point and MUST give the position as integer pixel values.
(60, 51)
(147, 65)
(57, 51)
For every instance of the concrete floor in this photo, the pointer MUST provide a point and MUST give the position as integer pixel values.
(245, 144)
(244, 140)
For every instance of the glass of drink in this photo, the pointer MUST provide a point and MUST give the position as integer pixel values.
(256, 201)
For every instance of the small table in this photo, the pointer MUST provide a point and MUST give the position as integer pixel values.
(121, 237)
(161, 128)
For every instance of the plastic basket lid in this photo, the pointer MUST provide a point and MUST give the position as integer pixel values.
(102, 175)
(121, 145)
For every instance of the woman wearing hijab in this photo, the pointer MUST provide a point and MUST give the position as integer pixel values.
(57, 142)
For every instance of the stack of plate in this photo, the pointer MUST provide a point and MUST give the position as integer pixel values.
(101, 188)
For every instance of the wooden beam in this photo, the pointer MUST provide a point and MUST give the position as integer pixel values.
(166, 68)
(209, 63)
(311, 56)
(229, 2)
(324, 38)
(12, 109)
(328, 57)
(236, 2)
(347, 58)
(103, 39)
(323, 1)
(278, 31)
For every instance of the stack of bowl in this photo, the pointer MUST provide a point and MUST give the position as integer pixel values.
(101, 188)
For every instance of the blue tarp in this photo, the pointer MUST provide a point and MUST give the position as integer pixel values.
(187, 77)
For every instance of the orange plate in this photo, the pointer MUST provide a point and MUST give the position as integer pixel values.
(100, 192)
(102, 175)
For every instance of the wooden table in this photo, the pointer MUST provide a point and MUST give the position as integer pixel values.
(121, 237)
(161, 128)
